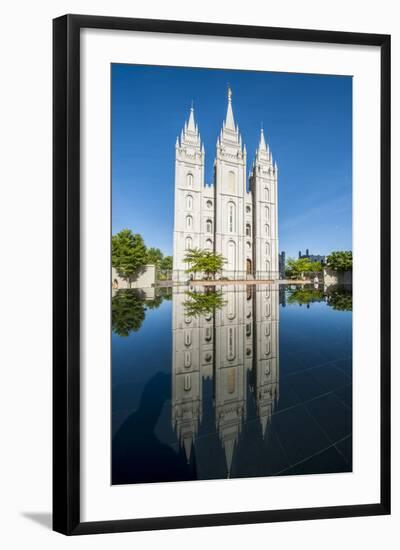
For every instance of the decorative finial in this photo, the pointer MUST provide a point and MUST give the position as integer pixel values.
(229, 93)
(191, 105)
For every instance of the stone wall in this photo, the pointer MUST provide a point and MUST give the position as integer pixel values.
(146, 279)
(332, 277)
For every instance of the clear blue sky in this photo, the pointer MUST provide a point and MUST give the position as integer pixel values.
(307, 121)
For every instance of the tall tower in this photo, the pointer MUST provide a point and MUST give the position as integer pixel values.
(189, 184)
(230, 193)
(264, 187)
(186, 374)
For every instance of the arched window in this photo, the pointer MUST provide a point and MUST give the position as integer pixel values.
(267, 249)
(231, 256)
(266, 194)
(231, 344)
(231, 306)
(208, 336)
(189, 222)
(267, 266)
(248, 330)
(266, 212)
(189, 180)
(188, 359)
(187, 384)
(188, 243)
(187, 338)
(231, 381)
(231, 217)
(267, 229)
(209, 226)
(232, 183)
(209, 204)
(209, 244)
(248, 230)
(189, 202)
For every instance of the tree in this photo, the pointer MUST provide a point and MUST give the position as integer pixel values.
(165, 267)
(341, 299)
(128, 309)
(154, 256)
(204, 261)
(129, 253)
(304, 296)
(127, 312)
(340, 260)
(297, 268)
(202, 303)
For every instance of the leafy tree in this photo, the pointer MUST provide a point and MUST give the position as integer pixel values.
(304, 296)
(341, 299)
(127, 312)
(129, 253)
(202, 303)
(297, 268)
(165, 267)
(340, 260)
(154, 256)
(128, 309)
(204, 261)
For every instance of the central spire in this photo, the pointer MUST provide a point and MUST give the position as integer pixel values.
(230, 122)
(262, 146)
(191, 125)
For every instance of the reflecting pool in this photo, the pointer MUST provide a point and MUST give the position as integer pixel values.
(231, 381)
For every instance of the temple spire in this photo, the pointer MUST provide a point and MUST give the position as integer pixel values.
(230, 122)
(262, 146)
(191, 127)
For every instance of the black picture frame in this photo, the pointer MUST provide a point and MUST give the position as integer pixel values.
(66, 273)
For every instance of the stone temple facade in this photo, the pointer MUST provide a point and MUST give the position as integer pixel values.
(236, 215)
(237, 348)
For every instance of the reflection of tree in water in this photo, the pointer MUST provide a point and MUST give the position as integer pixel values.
(304, 296)
(341, 299)
(201, 303)
(128, 310)
(338, 298)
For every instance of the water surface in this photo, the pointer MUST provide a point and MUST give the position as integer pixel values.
(231, 381)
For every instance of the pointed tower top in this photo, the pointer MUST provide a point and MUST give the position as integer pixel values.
(262, 146)
(191, 127)
(187, 445)
(230, 122)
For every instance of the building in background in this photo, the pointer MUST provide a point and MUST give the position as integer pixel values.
(282, 264)
(234, 216)
(313, 257)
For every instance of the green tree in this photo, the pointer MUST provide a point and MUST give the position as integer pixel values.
(297, 268)
(128, 309)
(127, 312)
(154, 256)
(341, 299)
(166, 267)
(129, 253)
(340, 260)
(204, 261)
(202, 303)
(303, 296)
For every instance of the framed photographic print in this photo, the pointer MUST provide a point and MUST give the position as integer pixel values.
(221, 274)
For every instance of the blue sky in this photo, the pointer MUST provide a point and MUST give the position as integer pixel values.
(307, 122)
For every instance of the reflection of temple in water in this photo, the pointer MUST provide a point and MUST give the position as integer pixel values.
(236, 346)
